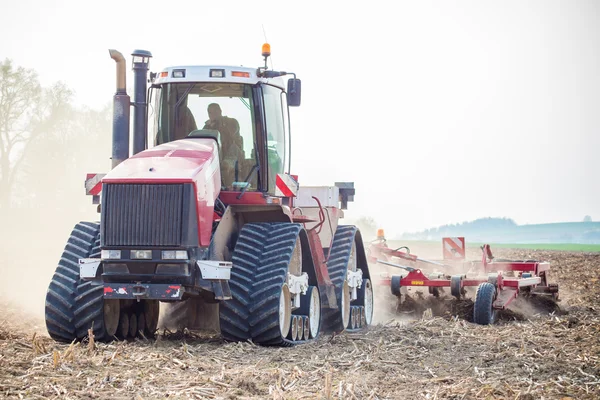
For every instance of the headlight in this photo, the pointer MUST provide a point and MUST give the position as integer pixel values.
(110, 254)
(141, 254)
(174, 255)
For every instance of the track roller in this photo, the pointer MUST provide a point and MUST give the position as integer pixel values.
(305, 328)
(352, 322)
(293, 334)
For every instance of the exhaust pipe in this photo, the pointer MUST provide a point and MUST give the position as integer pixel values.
(121, 103)
(141, 60)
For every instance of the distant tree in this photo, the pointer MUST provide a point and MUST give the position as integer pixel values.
(27, 111)
(368, 227)
(76, 146)
(587, 218)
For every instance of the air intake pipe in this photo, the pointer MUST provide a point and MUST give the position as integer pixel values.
(141, 60)
(121, 103)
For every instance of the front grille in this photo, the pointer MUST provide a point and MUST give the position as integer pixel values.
(142, 214)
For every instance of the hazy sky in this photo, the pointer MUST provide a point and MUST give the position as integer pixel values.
(439, 111)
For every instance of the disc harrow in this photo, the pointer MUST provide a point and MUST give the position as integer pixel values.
(498, 282)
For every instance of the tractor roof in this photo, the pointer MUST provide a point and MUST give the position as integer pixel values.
(214, 73)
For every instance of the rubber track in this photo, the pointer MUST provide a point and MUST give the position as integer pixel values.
(60, 297)
(260, 264)
(233, 313)
(337, 268)
(271, 273)
(483, 313)
(89, 304)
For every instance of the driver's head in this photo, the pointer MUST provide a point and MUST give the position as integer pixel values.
(214, 112)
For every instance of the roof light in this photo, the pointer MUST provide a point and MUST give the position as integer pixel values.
(380, 233)
(266, 50)
(179, 73)
(163, 74)
(240, 74)
(217, 73)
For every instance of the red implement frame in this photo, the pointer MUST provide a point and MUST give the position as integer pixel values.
(507, 288)
(379, 250)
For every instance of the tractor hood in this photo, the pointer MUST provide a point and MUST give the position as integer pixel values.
(179, 161)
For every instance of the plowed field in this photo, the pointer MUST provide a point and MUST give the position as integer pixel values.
(535, 351)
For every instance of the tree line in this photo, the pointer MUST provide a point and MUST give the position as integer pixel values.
(467, 228)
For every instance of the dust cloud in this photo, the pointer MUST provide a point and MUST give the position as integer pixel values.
(47, 200)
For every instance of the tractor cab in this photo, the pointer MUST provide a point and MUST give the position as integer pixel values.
(243, 110)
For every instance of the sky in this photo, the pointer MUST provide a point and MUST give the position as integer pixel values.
(439, 111)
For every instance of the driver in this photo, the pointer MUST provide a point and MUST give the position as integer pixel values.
(231, 141)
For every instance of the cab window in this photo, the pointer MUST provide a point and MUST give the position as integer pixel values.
(276, 131)
(227, 110)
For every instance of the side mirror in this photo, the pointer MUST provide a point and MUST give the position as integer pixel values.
(294, 92)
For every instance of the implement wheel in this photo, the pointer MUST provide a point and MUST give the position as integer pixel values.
(455, 288)
(483, 311)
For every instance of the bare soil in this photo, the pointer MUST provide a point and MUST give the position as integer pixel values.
(536, 350)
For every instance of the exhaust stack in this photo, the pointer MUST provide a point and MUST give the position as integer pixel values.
(121, 103)
(141, 60)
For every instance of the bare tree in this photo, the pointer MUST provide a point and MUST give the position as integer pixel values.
(27, 111)
(77, 145)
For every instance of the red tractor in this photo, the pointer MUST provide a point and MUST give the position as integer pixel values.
(205, 220)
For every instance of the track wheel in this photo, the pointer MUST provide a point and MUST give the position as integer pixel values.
(285, 314)
(483, 311)
(366, 300)
(346, 309)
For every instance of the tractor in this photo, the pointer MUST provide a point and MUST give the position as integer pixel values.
(204, 223)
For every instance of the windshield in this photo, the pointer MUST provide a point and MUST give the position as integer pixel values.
(223, 110)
